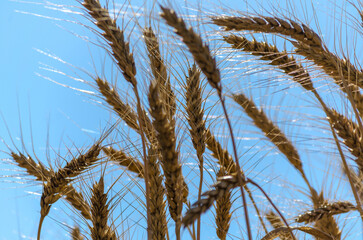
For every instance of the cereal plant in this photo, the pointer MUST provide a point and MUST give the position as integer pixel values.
(228, 124)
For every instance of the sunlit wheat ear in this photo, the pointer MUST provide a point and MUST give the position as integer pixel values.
(157, 202)
(223, 185)
(276, 136)
(159, 70)
(170, 156)
(197, 48)
(297, 31)
(57, 184)
(115, 37)
(283, 232)
(100, 214)
(76, 234)
(223, 210)
(120, 157)
(123, 110)
(325, 210)
(275, 57)
(41, 173)
(350, 133)
(195, 117)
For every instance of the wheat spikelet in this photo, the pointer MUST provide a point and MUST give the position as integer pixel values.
(115, 37)
(324, 210)
(167, 142)
(271, 131)
(198, 49)
(157, 202)
(121, 158)
(271, 53)
(37, 170)
(76, 234)
(223, 185)
(299, 32)
(100, 213)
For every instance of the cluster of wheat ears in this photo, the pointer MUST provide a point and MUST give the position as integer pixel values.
(173, 204)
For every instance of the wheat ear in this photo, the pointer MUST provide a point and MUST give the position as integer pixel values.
(198, 49)
(170, 156)
(325, 210)
(57, 184)
(100, 213)
(157, 202)
(283, 232)
(159, 70)
(195, 114)
(123, 159)
(115, 37)
(275, 57)
(299, 32)
(41, 173)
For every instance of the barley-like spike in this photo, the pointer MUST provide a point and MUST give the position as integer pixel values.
(271, 131)
(270, 53)
(123, 159)
(43, 174)
(115, 37)
(324, 210)
(158, 69)
(195, 111)
(198, 49)
(277, 223)
(167, 141)
(157, 202)
(122, 109)
(299, 32)
(100, 213)
(57, 184)
(223, 210)
(223, 185)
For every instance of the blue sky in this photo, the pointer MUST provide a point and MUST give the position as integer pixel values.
(50, 118)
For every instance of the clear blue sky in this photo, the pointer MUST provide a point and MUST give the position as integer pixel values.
(42, 113)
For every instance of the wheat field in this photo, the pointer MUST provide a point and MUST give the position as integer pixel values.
(218, 122)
